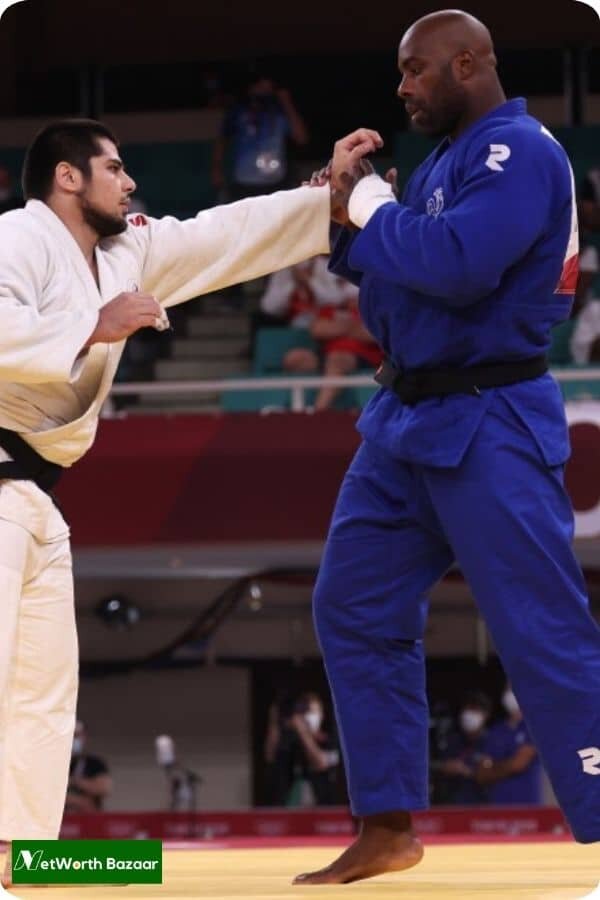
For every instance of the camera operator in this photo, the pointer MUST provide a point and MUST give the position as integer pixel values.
(300, 754)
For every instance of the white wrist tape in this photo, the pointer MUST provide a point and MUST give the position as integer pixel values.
(370, 193)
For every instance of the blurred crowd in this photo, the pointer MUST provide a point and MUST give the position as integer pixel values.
(477, 756)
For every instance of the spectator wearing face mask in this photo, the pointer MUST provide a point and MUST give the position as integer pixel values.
(302, 756)
(89, 778)
(464, 753)
(511, 770)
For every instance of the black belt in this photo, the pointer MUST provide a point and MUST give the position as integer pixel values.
(421, 384)
(26, 464)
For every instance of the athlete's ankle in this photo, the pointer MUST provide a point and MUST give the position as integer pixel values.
(397, 821)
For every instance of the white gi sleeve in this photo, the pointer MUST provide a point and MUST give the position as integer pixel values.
(233, 243)
(36, 345)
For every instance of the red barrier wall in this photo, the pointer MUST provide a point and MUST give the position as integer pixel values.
(189, 479)
(333, 822)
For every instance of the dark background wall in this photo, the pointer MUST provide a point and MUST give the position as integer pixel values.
(341, 53)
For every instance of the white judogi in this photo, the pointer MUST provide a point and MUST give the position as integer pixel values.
(49, 304)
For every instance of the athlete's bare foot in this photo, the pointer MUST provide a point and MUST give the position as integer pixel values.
(386, 843)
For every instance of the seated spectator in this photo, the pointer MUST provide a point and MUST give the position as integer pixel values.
(585, 343)
(464, 752)
(345, 347)
(294, 295)
(89, 779)
(510, 769)
(308, 296)
(301, 754)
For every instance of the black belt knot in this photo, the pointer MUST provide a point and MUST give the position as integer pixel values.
(26, 464)
(414, 385)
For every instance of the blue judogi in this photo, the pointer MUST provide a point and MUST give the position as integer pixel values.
(474, 266)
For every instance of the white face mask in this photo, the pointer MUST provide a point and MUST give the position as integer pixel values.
(510, 703)
(313, 719)
(77, 746)
(471, 720)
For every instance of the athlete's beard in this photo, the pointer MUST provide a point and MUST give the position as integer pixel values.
(103, 224)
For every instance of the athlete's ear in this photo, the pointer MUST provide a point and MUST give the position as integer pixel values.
(463, 65)
(68, 177)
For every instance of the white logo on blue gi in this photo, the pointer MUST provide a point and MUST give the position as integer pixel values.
(435, 204)
(590, 758)
(499, 153)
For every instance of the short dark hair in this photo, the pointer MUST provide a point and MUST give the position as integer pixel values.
(68, 140)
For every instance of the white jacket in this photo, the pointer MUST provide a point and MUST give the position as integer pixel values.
(49, 300)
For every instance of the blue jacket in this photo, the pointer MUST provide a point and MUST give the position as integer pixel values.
(474, 265)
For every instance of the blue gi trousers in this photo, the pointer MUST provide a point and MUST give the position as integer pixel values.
(504, 516)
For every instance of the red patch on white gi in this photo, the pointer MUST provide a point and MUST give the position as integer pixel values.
(138, 220)
(570, 274)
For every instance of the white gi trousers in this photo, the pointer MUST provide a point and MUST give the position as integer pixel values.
(38, 662)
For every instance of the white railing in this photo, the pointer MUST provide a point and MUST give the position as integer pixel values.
(296, 384)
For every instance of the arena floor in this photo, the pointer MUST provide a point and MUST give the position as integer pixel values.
(554, 870)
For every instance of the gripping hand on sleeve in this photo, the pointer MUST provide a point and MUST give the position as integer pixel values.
(124, 315)
(348, 166)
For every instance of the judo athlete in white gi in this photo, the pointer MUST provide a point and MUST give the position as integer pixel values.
(464, 446)
(68, 262)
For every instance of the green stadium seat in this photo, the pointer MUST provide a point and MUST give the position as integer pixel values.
(271, 345)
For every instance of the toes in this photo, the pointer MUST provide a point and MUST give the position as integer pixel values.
(311, 878)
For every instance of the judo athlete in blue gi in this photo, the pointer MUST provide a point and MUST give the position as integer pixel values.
(464, 448)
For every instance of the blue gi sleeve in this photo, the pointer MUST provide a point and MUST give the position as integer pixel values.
(341, 242)
(500, 210)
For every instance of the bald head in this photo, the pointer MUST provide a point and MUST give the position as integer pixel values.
(446, 33)
(449, 73)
